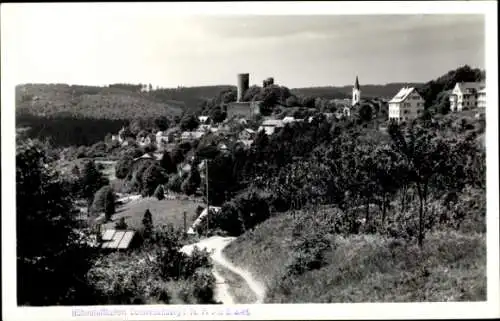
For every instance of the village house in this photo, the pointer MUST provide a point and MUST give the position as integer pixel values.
(149, 156)
(204, 120)
(191, 136)
(465, 95)
(144, 141)
(481, 98)
(269, 126)
(406, 105)
(247, 134)
(197, 222)
(115, 240)
(246, 143)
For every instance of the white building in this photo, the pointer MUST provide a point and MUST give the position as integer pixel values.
(356, 93)
(465, 95)
(270, 125)
(481, 98)
(406, 105)
(203, 119)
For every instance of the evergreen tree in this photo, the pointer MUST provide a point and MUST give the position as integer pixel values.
(147, 223)
(92, 180)
(167, 163)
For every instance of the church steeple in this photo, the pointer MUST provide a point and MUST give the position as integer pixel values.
(356, 93)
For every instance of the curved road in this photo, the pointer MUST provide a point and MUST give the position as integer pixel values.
(215, 245)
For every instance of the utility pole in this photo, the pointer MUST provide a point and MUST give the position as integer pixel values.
(208, 203)
(185, 225)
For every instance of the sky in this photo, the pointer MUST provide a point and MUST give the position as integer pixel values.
(93, 46)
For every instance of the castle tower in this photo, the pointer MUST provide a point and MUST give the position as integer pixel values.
(242, 86)
(356, 93)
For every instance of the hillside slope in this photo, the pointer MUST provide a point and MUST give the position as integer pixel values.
(366, 268)
(90, 102)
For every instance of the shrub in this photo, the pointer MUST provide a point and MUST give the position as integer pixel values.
(310, 244)
(121, 224)
(159, 192)
(204, 286)
(174, 183)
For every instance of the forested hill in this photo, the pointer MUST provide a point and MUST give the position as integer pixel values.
(111, 103)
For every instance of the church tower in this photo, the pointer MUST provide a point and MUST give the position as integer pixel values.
(356, 93)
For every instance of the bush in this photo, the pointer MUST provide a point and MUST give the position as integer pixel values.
(204, 286)
(159, 193)
(121, 224)
(308, 249)
(174, 183)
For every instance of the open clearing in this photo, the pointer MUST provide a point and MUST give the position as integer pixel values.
(163, 212)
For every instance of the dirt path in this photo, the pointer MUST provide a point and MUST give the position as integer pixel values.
(215, 245)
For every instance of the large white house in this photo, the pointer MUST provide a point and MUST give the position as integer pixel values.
(269, 126)
(481, 98)
(406, 105)
(465, 95)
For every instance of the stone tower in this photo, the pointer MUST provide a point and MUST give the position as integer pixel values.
(356, 93)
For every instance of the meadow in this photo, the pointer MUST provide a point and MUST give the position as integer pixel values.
(163, 212)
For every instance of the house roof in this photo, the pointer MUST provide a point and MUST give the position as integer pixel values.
(195, 134)
(273, 122)
(203, 118)
(249, 130)
(246, 142)
(156, 156)
(402, 94)
(116, 239)
(197, 222)
(469, 86)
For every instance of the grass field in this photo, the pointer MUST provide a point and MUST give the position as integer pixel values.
(367, 268)
(163, 212)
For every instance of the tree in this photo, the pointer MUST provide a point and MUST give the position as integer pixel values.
(124, 166)
(162, 123)
(47, 242)
(104, 201)
(153, 176)
(121, 224)
(92, 180)
(292, 101)
(160, 193)
(174, 183)
(189, 122)
(425, 157)
(252, 93)
(365, 113)
(217, 115)
(147, 223)
(167, 163)
(193, 181)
